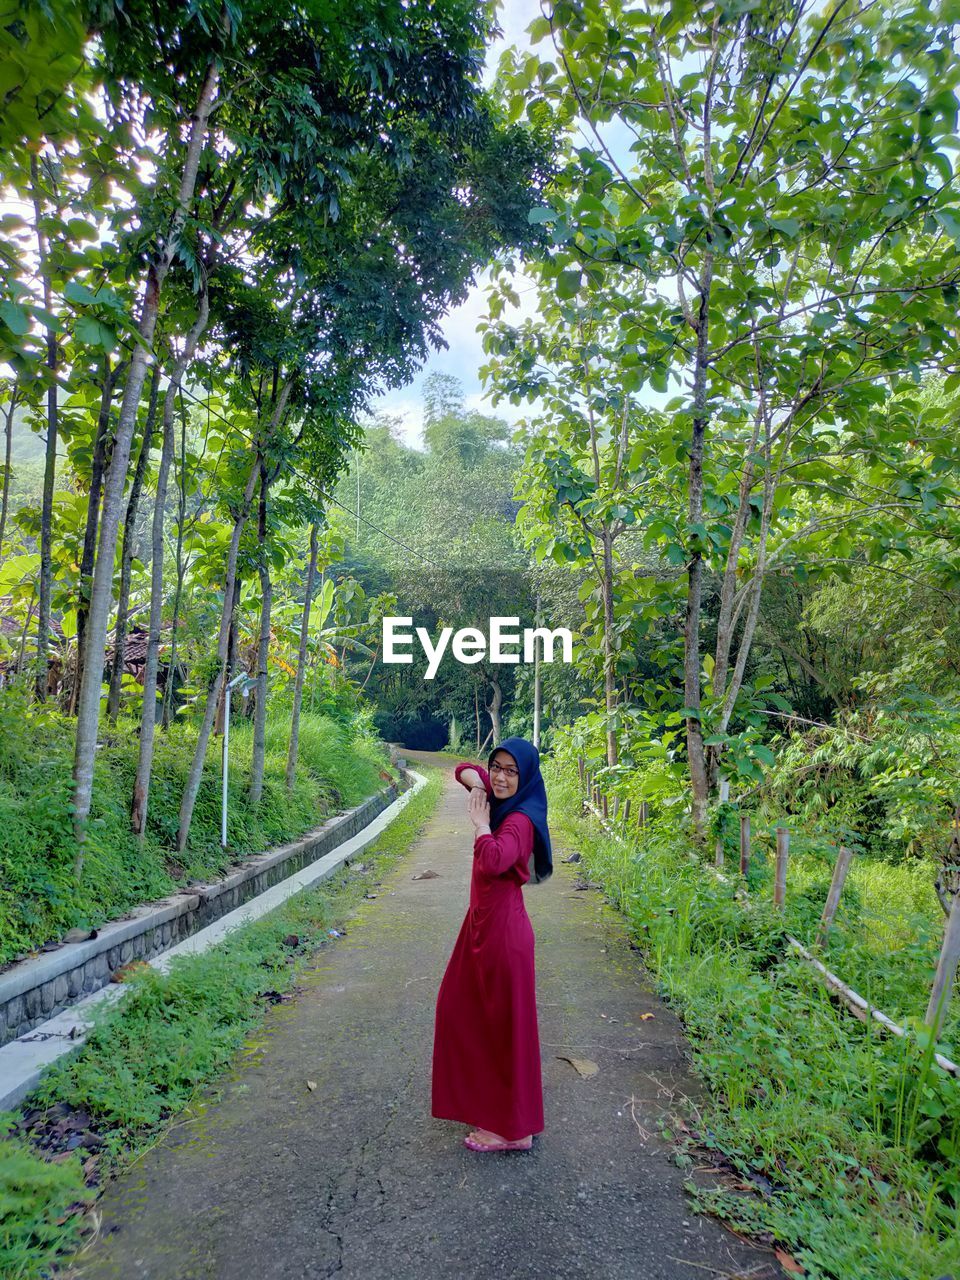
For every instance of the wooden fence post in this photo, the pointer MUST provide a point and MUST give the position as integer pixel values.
(603, 801)
(744, 843)
(841, 866)
(580, 768)
(626, 811)
(783, 853)
(946, 970)
(643, 814)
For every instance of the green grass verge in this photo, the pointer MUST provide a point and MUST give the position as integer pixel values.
(340, 764)
(852, 1135)
(171, 1036)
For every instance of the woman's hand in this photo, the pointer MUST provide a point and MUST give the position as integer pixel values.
(478, 811)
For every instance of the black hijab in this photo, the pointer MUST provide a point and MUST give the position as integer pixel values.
(530, 798)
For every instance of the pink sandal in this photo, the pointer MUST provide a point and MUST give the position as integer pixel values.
(521, 1145)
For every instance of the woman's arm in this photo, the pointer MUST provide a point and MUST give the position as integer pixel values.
(472, 775)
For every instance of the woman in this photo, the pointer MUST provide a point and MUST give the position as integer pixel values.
(486, 1049)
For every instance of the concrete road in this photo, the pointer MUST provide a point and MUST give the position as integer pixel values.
(355, 1179)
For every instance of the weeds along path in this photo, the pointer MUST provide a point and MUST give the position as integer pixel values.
(352, 1177)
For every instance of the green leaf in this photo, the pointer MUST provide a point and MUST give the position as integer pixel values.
(94, 333)
(15, 317)
(79, 293)
(568, 284)
(950, 223)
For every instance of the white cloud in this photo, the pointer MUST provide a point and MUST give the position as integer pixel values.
(461, 360)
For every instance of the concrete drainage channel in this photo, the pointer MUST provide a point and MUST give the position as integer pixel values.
(76, 978)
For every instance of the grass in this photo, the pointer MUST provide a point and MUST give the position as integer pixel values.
(40, 899)
(852, 1135)
(149, 1058)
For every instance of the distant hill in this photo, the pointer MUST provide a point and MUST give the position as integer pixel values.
(27, 445)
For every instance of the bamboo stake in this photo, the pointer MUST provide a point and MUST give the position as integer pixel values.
(643, 813)
(851, 999)
(783, 854)
(946, 970)
(744, 843)
(840, 869)
(858, 1006)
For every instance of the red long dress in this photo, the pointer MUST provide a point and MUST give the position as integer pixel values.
(486, 1047)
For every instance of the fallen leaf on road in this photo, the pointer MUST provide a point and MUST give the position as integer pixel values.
(789, 1264)
(311, 1085)
(426, 875)
(645, 1017)
(583, 1066)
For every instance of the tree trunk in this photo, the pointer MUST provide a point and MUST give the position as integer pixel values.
(494, 708)
(148, 717)
(181, 571)
(753, 611)
(192, 788)
(7, 462)
(263, 650)
(98, 464)
(50, 454)
(609, 681)
(301, 661)
(88, 711)
(126, 556)
(233, 658)
(691, 630)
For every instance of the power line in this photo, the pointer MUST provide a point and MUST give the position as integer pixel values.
(309, 480)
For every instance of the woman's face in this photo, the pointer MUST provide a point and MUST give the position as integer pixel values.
(504, 784)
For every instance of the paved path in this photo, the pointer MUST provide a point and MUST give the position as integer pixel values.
(355, 1179)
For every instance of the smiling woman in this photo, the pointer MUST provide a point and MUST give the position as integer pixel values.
(486, 1053)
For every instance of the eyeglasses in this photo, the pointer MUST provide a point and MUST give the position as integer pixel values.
(507, 772)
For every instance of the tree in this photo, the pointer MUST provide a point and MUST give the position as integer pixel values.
(385, 117)
(777, 238)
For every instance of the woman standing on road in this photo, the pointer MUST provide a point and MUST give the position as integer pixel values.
(486, 1048)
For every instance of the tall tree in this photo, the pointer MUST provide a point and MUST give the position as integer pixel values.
(765, 229)
(381, 106)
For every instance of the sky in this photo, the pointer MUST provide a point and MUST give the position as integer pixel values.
(464, 354)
